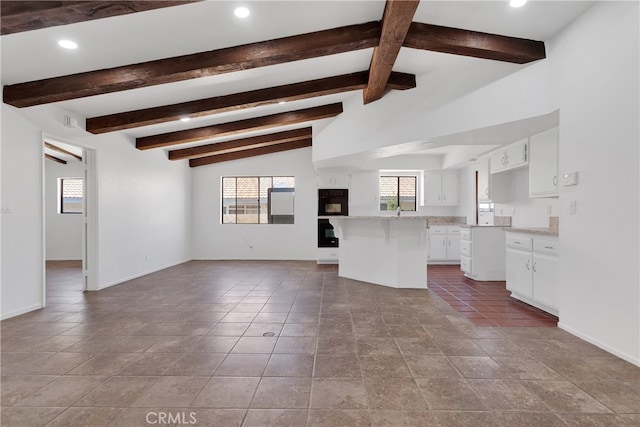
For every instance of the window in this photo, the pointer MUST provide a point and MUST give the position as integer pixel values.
(70, 195)
(398, 191)
(257, 199)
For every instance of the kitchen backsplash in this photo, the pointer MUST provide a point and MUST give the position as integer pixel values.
(443, 220)
(504, 221)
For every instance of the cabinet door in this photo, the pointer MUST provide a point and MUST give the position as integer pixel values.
(453, 247)
(433, 188)
(484, 186)
(450, 181)
(545, 270)
(363, 189)
(333, 180)
(516, 154)
(497, 160)
(543, 164)
(438, 247)
(519, 272)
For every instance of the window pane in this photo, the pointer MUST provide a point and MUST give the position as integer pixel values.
(407, 193)
(265, 185)
(388, 193)
(248, 198)
(228, 200)
(71, 197)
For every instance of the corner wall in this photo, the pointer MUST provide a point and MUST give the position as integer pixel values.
(595, 81)
(22, 237)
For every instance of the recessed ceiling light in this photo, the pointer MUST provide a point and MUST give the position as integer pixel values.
(241, 12)
(517, 3)
(68, 44)
(185, 119)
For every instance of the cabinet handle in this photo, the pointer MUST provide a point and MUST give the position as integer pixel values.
(516, 242)
(443, 243)
(534, 267)
(528, 267)
(444, 197)
(449, 242)
(548, 247)
(486, 191)
(555, 180)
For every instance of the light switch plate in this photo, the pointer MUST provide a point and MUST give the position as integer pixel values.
(7, 207)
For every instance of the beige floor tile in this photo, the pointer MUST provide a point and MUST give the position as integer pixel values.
(176, 392)
(289, 365)
(384, 367)
(338, 366)
(22, 417)
(150, 364)
(196, 364)
(255, 345)
(64, 391)
(117, 392)
(394, 393)
(86, 417)
(282, 393)
(338, 418)
(563, 396)
(15, 388)
(275, 417)
(247, 365)
(227, 392)
(303, 345)
(215, 344)
(478, 367)
(449, 394)
(382, 418)
(431, 367)
(338, 393)
(506, 395)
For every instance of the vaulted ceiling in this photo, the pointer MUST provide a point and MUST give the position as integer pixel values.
(252, 86)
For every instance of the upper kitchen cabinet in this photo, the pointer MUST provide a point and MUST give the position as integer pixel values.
(510, 157)
(333, 179)
(484, 180)
(441, 188)
(364, 188)
(543, 164)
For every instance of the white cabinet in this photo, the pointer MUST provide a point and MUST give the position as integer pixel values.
(484, 180)
(532, 265)
(441, 188)
(510, 157)
(444, 244)
(333, 179)
(543, 164)
(363, 188)
(482, 253)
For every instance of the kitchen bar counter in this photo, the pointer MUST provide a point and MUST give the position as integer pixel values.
(385, 250)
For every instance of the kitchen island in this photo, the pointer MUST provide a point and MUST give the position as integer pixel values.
(385, 250)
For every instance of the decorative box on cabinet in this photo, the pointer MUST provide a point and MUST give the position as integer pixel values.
(532, 264)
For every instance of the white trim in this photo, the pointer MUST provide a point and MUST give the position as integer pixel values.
(599, 344)
(135, 276)
(23, 310)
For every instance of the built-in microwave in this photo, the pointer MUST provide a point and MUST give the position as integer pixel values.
(333, 201)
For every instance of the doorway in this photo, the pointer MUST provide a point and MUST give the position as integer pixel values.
(69, 221)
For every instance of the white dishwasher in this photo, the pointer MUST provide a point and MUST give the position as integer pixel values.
(482, 252)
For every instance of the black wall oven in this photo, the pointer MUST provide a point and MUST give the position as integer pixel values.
(333, 201)
(326, 234)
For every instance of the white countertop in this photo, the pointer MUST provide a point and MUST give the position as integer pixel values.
(422, 217)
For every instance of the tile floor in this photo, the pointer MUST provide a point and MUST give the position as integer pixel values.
(290, 344)
(484, 303)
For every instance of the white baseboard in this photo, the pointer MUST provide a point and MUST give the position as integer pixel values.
(599, 344)
(20, 311)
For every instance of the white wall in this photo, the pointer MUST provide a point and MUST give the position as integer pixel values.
(213, 240)
(22, 237)
(63, 232)
(595, 81)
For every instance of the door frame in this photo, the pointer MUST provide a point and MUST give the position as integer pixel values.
(89, 216)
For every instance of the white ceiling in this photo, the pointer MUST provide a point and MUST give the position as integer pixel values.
(209, 25)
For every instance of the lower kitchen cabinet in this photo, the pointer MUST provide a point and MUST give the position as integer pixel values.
(482, 252)
(444, 244)
(532, 265)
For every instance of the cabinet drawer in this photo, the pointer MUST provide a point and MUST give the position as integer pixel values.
(465, 247)
(519, 242)
(465, 234)
(546, 246)
(453, 229)
(437, 229)
(465, 264)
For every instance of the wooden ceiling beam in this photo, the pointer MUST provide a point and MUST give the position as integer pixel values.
(396, 20)
(62, 150)
(473, 43)
(241, 144)
(201, 161)
(54, 158)
(185, 67)
(237, 101)
(21, 15)
(240, 126)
